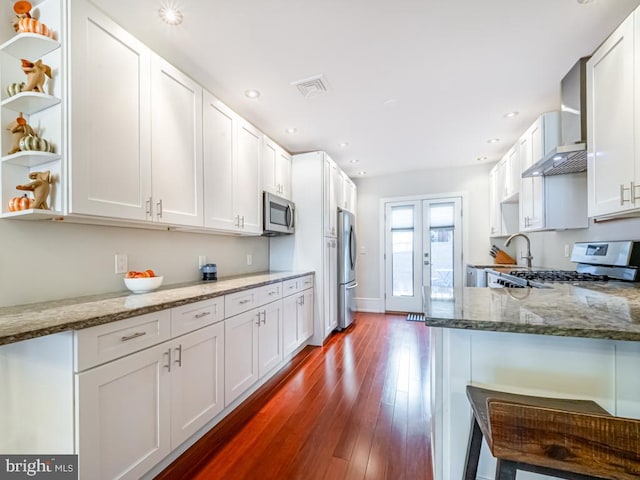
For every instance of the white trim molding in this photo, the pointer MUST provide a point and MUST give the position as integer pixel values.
(370, 305)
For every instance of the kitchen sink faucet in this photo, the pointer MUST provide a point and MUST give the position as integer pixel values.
(528, 255)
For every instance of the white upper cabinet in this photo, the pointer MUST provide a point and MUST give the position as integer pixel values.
(232, 173)
(248, 178)
(110, 154)
(330, 180)
(276, 169)
(612, 107)
(176, 146)
(348, 193)
(219, 127)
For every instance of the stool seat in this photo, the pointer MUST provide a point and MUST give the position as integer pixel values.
(572, 439)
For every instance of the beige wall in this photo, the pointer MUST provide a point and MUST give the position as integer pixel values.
(472, 181)
(44, 260)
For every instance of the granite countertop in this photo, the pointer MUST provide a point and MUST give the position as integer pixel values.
(598, 310)
(22, 322)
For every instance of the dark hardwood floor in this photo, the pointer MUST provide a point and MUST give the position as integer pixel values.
(356, 408)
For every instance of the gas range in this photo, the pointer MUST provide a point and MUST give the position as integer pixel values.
(596, 262)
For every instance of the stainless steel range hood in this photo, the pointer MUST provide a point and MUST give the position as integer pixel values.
(571, 155)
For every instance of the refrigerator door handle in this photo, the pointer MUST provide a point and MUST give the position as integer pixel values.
(352, 286)
(352, 247)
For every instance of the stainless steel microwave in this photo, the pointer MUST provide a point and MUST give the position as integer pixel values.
(278, 215)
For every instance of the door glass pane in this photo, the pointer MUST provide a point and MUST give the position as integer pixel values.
(402, 241)
(441, 230)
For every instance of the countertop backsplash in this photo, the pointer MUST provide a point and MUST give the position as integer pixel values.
(42, 261)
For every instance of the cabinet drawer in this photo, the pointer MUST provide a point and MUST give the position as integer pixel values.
(241, 301)
(296, 285)
(289, 287)
(269, 293)
(193, 316)
(103, 343)
(306, 282)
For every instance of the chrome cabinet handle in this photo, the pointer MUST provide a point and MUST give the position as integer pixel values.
(258, 315)
(126, 338)
(622, 190)
(203, 314)
(159, 208)
(242, 221)
(242, 302)
(168, 365)
(264, 317)
(179, 359)
(237, 222)
(148, 204)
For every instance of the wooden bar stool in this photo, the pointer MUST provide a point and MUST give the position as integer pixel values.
(572, 439)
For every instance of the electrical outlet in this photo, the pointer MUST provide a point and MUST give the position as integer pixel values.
(202, 260)
(121, 263)
(566, 250)
(249, 259)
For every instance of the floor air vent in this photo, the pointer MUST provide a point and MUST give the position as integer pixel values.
(415, 317)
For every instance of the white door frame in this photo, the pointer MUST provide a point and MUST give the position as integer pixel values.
(411, 198)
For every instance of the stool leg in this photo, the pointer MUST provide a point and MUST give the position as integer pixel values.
(506, 470)
(473, 451)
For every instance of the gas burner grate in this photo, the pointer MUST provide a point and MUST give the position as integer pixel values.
(558, 276)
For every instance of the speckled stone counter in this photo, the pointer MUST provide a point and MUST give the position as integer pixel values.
(607, 311)
(22, 322)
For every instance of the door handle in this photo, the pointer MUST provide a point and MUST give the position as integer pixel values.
(426, 262)
(352, 286)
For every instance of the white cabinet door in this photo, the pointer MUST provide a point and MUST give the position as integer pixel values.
(494, 203)
(176, 146)
(330, 285)
(248, 178)
(512, 182)
(219, 129)
(269, 166)
(270, 351)
(276, 169)
(241, 354)
(197, 387)
(290, 323)
(109, 158)
(611, 132)
(305, 316)
(283, 173)
(330, 210)
(123, 410)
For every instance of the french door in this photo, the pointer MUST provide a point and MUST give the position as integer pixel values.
(423, 247)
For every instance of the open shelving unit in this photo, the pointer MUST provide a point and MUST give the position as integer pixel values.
(42, 111)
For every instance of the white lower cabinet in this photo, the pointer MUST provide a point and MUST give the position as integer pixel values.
(132, 412)
(123, 415)
(297, 320)
(197, 387)
(253, 342)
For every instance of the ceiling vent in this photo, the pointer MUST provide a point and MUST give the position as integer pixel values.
(312, 86)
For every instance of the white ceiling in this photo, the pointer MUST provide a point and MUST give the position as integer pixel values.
(448, 70)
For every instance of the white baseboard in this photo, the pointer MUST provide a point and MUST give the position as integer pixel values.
(370, 305)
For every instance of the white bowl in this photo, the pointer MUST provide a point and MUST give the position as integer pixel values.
(143, 285)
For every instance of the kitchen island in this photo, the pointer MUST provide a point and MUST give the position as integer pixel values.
(565, 341)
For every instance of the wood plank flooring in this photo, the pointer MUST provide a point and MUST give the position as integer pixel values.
(356, 408)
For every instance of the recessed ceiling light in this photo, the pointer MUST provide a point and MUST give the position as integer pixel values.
(344, 144)
(511, 114)
(392, 102)
(171, 15)
(585, 1)
(252, 93)
(291, 130)
(354, 160)
(361, 173)
(493, 140)
(481, 159)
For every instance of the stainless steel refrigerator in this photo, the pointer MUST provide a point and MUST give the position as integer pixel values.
(346, 268)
